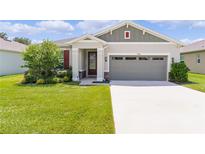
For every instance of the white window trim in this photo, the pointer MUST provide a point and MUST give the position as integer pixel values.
(126, 38)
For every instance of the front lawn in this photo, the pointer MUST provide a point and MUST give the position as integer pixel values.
(54, 109)
(196, 81)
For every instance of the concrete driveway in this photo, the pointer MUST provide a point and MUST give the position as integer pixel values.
(157, 107)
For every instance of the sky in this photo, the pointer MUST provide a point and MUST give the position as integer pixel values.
(187, 31)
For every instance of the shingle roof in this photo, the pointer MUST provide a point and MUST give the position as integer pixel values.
(196, 46)
(61, 42)
(11, 46)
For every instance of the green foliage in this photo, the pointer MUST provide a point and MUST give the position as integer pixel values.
(40, 81)
(29, 78)
(49, 80)
(42, 59)
(22, 40)
(179, 72)
(196, 81)
(66, 79)
(3, 36)
(56, 80)
(23, 81)
(62, 73)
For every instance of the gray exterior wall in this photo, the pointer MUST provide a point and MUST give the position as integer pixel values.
(136, 35)
(190, 60)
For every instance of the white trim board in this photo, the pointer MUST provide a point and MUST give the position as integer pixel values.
(93, 38)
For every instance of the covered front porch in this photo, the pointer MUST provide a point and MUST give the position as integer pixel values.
(88, 63)
(88, 58)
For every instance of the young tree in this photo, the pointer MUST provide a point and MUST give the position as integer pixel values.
(42, 59)
(22, 40)
(3, 36)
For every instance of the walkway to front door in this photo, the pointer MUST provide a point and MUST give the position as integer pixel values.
(157, 107)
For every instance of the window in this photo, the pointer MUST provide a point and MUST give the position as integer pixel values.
(182, 58)
(143, 58)
(127, 35)
(130, 58)
(157, 58)
(198, 59)
(117, 58)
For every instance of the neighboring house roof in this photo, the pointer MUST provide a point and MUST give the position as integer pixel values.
(11, 46)
(194, 47)
(144, 29)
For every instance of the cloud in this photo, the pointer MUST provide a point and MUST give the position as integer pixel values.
(42, 26)
(172, 24)
(18, 28)
(91, 26)
(55, 26)
(189, 41)
(200, 24)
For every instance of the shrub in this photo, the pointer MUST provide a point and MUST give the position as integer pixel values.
(60, 80)
(42, 59)
(66, 79)
(55, 80)
(23, 81)
(49, 80)
(40, 81)
(179, 72)
(29, 78)
(61, 74)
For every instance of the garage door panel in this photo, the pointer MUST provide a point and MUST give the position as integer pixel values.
(138, 69)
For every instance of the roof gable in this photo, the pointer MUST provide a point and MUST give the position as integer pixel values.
(136, 35)
(144, 31)
(87, 38)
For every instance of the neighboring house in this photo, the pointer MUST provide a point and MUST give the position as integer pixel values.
(126, 51)
(10, 57)
(194, 56)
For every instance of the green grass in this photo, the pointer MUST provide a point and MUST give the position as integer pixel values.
(197, 82)
(54, 109)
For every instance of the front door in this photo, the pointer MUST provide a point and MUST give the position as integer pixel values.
(92, 63)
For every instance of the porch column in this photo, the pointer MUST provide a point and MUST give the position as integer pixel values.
(100, 64)
(75, 64)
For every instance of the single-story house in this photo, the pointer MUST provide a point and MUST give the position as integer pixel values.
(194, 56)
(126, 51)
(10, 57)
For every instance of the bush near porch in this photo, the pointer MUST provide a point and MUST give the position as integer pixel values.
(42, 61)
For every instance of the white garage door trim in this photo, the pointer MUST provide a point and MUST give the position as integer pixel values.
(142, 54)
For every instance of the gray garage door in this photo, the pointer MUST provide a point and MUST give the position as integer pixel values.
(138, 68)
